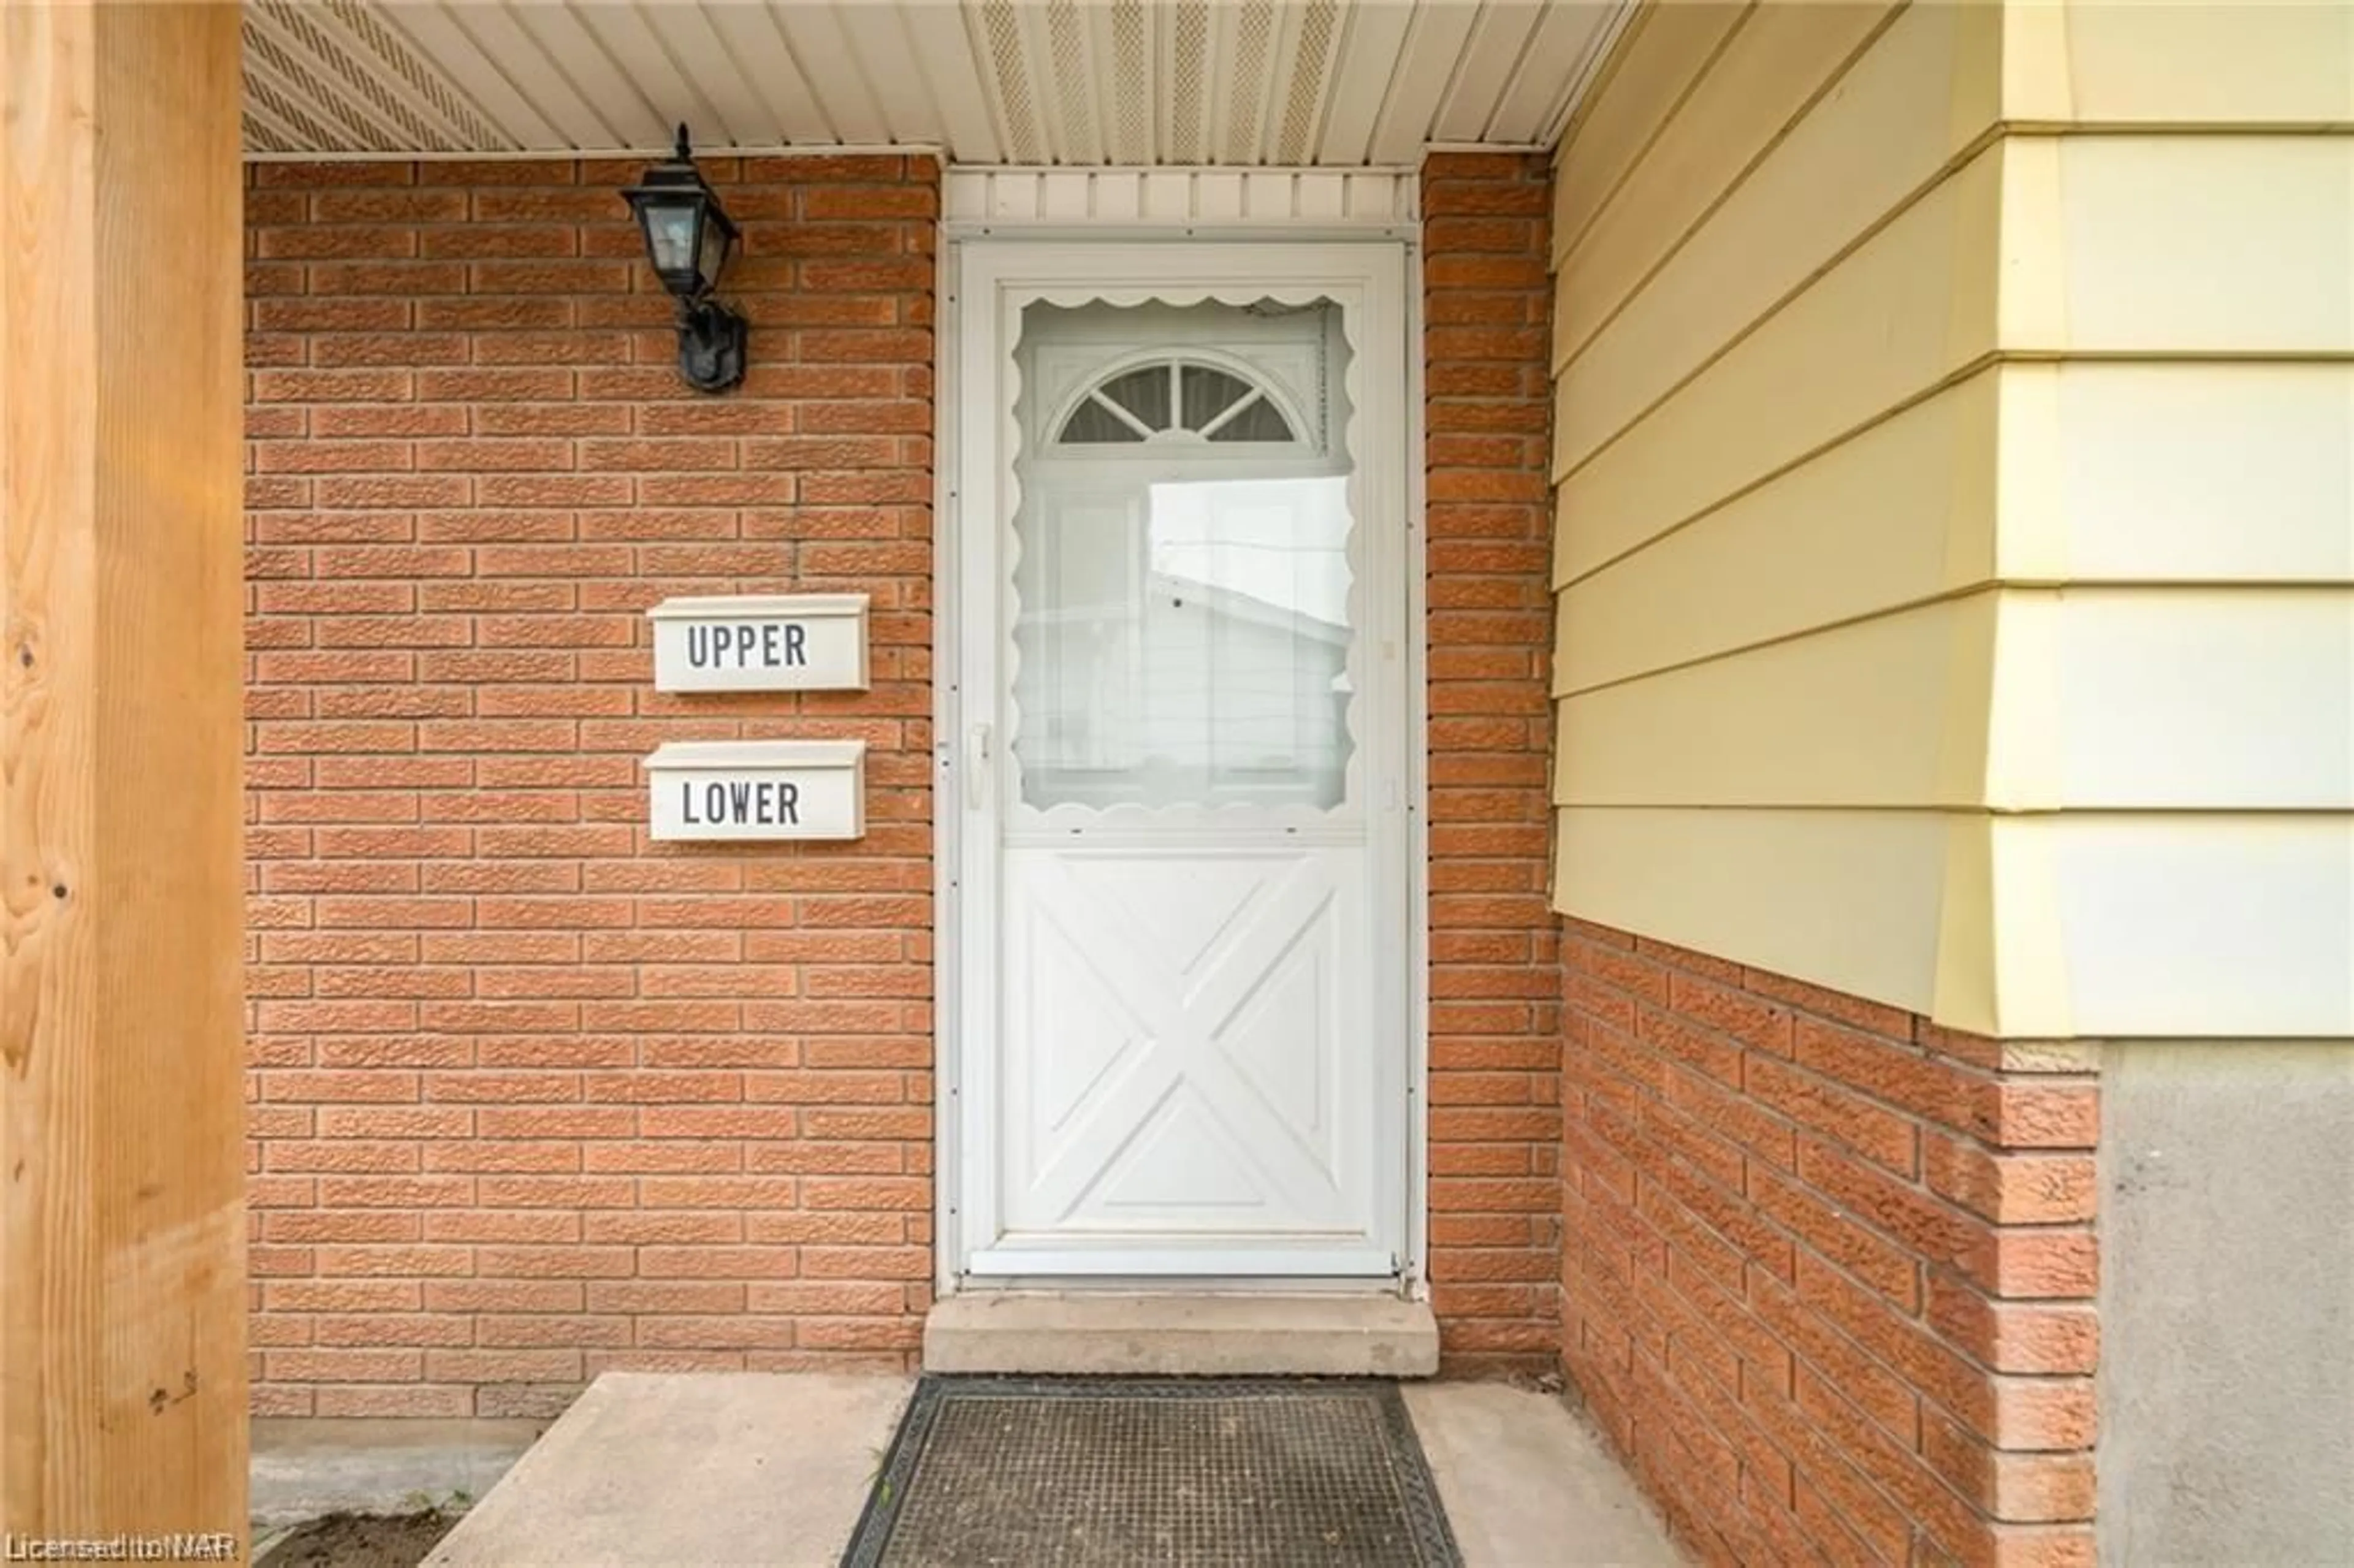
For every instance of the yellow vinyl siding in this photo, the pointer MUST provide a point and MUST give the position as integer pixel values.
(2178, 472)
(2222, 924)
(2015, 699)
(1907, 508)
(1911, 307)
(1663, 50)
(1882, 130)
(2122, 240)
(2282, 65)
(2186, 728)
(1956, 519)
(1888, 712)
(2184, 698)
(1849, 900)
(1771, 67)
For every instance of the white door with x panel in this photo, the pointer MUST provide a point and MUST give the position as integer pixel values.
(1182, 1018)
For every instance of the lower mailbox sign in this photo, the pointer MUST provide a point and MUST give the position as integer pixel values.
(758, 790)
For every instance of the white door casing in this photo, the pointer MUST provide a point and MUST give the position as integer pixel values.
(1182, 1025)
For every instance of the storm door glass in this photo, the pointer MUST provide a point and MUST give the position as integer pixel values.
(1184, 624)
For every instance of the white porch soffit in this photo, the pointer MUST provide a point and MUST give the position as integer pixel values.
(1089, 83)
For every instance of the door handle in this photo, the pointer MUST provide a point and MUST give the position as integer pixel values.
(976, 767)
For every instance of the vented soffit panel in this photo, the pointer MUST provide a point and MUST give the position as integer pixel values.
(1089, 83)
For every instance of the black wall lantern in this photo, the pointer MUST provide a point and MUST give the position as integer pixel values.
(689, 238)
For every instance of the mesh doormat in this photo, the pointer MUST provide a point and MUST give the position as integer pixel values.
(1119, 1471)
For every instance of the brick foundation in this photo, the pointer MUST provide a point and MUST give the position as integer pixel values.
(1828, 1270)
(1495, 1027)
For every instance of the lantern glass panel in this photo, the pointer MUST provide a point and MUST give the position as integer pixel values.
(670, 227)
(713, 253)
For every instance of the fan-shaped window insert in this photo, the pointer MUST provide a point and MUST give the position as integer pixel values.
(1174, 397)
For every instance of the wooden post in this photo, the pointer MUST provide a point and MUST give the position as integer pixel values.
(122, 1144)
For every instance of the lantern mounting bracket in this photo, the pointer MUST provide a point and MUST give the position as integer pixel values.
(711, 341)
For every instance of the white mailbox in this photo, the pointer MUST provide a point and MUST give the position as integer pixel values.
(758, 790)
(760, 643)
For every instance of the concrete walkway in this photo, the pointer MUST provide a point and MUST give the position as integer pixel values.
(747, 1468)
(1527, 1483)
(673, 1468)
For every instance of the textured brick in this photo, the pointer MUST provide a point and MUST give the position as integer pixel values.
(1887, 1233)
(1494, 967)
(464, 1113)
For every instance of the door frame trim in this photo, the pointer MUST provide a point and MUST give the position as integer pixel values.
(948, 764)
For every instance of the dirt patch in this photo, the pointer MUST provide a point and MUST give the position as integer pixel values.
(360, 1541)
(1538, 1383)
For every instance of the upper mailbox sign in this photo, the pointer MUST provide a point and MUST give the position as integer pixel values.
(761, 642)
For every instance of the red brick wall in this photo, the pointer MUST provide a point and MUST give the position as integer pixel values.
(1495, 1024)
(532, 1096)
(1828, 1270)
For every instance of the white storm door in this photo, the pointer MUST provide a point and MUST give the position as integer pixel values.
(1182, 997)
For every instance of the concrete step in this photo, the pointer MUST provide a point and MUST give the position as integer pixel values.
(1175, 1334)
